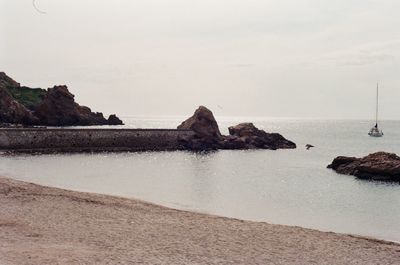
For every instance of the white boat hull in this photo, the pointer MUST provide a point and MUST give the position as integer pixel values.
(375, 133)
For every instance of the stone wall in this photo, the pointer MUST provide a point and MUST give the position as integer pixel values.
(90, 140)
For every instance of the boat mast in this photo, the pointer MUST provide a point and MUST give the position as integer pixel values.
(377, 96)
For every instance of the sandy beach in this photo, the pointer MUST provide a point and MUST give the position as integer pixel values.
(42, 225)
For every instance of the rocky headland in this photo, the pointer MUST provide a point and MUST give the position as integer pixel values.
(20, 105)
(377, 166)
(242, 136)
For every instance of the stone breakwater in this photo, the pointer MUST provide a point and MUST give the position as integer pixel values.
(90, 140)
(198, 133)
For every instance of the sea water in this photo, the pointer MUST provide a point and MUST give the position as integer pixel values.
(291, 187)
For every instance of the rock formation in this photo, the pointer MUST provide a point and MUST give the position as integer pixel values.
(255, 138)
(11, 111)
(203, 123)
(377, 166)
(207, 134)
(58, 108)
(54, 107)
(6, 81)
(242, 136)
(114, 120)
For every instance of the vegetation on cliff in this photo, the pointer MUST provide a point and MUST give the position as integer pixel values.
(29, 97)
(53, 107)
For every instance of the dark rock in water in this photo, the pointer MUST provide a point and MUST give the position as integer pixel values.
(233, 142)
(114, 120)
(242, 136)
(376, 166)
(202, 123)
(255, 138)
(207, 134)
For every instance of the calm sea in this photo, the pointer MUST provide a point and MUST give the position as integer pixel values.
(291, 187)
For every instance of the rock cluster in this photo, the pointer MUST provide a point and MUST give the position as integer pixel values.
(249, 136)
(377, 166)
(57, 107)
(242, 136)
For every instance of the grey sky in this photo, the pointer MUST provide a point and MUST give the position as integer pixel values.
(298, 58)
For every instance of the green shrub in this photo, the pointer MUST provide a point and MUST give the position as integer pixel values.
(29, 97)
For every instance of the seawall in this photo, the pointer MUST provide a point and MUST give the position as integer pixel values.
(90, 140)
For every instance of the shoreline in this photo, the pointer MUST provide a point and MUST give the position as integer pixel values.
(44, 225)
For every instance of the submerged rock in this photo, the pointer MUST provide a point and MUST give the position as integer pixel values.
(243, 136)
(377, 166)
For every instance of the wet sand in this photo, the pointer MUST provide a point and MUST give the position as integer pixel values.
(42, 225)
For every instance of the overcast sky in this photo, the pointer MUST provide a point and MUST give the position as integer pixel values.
(272, 58)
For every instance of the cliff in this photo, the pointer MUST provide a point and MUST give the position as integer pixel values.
(52, 107)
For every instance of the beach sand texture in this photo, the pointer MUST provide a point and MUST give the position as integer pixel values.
(42, 225)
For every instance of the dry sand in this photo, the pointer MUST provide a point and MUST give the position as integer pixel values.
(42, 225)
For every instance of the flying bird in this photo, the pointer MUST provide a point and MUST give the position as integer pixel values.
(308, 146)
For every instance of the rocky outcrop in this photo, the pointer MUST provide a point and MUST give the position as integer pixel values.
(114, 120)
(58, 108)
(54, 107)
(11, 111)
(207, 135)
(243, 136)
(254, 138)
(6, 81)
(377, 166)
(202, 123)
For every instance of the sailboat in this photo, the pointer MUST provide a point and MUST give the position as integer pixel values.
(375, 131)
